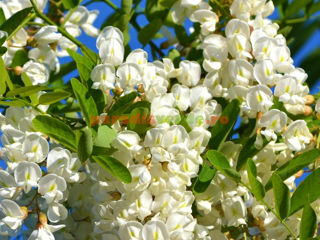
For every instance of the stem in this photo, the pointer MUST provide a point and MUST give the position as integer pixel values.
(273, 211)
(61, 30)
(111, 4)
(36, 24)
(31, 16)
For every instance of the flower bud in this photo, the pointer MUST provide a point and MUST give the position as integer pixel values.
(307, 110)
(17, 70)
(299, 174)
(43, 218)
(25, 211)
(309, 99)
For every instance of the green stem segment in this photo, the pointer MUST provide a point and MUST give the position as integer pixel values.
(61, 30)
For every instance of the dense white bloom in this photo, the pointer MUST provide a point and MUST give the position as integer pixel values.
(207, 19)
(27, 175)
(182, 95)
(131, 230)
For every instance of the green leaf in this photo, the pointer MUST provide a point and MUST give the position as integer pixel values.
(87, 104)
(220, 162)
(248, 151)
(256, 185)
(85, 145)
(56, 129)
(14, 103)
(167, 3)
(315, 7)
(53, 97)
(308, 189)
(123, 104)
(68, 4)
(20, 58)
(138, 120)
(223, 127)
(155, 10)
(2, 17)
(4, 74)
(204, 179)
(15, 20)
(99, 99)
(83, 63)
(181, 35)
(296, 164)
(26, 91)
(104, 136)
(149, 31)
(308, 222)
(295, 6)
(114, 167)
(281, 194)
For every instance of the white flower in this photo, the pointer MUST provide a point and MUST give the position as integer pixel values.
(297, 135)
(234, 211)
(259, 98)
(37, 72)
(237, 26)
(35, 148)
(290, 91)
(240, 72)
(264, 72)
(175, 139)
(8, 185)
(44, 232)
(57, 212)
(214, 57)
(111, 51)
(207, 18)
(273, 120)
(190, 72)
(108, 33)
(47, 35)
(51, 187)
(199, 95)
(180, 225)
(138, 56)
(88, 25)
(27, 175)
(141, 178)
(129, 75)
(103, 77)
(241, 9)
(45, 55)
(155, 229)
(11, 217)
(212, 82)
(131, 230)
(182, 95)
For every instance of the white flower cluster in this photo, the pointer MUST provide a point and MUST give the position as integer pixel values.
(47, 44)
(250, 63)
